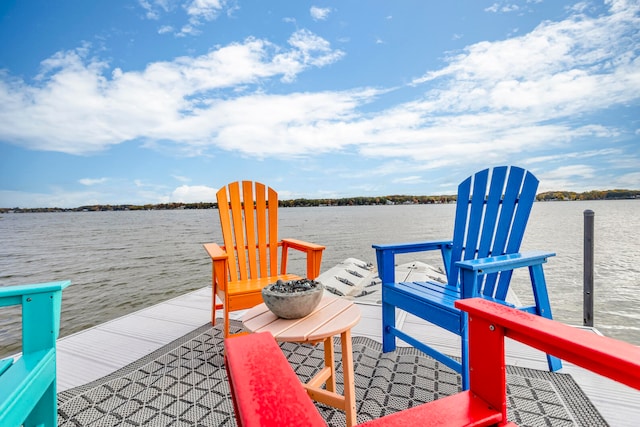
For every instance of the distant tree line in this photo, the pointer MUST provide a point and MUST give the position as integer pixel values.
(347, 201)
(363, 201)
(107, 208)
(589, 195)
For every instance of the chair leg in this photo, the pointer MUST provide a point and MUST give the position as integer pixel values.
(45, 411)
(214, 309)
(214, 293)
(330, 362)
(464, 337)
(555, 364)
(388, 321)
(348, 379)
(226, 318)
(543, 307)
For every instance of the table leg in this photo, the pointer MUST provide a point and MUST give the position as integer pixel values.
(349, 379)
(329, 362)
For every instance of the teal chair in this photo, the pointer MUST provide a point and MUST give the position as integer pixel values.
(492, 211)
(28, 383)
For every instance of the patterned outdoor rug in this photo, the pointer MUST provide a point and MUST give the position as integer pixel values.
(185, 384)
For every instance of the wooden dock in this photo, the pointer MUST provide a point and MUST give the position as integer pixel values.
(103, 349)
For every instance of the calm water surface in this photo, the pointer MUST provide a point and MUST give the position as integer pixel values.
(119, 262)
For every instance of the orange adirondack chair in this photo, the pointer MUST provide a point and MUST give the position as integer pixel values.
(248, 261)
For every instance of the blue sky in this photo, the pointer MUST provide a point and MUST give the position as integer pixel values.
(154, 101)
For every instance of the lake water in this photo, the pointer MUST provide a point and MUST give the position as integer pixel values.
(119, 262)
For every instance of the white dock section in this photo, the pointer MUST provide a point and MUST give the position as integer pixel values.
(103, 349)
(95, 352)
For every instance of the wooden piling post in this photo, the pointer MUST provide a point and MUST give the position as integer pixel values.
(588, 268)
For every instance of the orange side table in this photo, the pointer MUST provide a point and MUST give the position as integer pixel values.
(333, 316)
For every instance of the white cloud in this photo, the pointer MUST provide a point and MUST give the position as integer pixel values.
(122, 192)
(573, 176)
(319, 13)
(181, 178)
(493, 8)
(193, 194)
(197, 12)
(560, 69)
(188, 30)
(294, 124)
(563, 157)
(491, 101)
(502, 8)
(310, 49)
(579, 7)
(414, 179)
(147, 6)
(18, 199)
(154, 8)
(581, 171)
(204, 9)
(92, 181)
(629, 181)
(70, 199)
(76, 108)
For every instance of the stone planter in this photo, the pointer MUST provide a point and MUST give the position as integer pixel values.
(293, 299)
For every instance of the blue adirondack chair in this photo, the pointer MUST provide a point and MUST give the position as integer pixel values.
(492, 210)
(28, 383)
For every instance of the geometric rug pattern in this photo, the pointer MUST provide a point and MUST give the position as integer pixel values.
(185, 384)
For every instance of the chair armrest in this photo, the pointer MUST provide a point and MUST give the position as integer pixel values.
(470, 270)
(401, 248)
(41, 304)
(5, 364)
(606, 356)
(385, 255)
(215, 251)
(12, 295)
(313, 251)
(23, 383)
(301, 245)
(505, 262)
(220, 261)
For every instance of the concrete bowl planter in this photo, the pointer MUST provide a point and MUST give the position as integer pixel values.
(293, 299)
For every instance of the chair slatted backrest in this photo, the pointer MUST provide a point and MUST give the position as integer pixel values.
(28, 383)
(491, 216)
(249, 222)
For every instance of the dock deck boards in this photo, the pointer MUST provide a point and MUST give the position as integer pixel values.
(95, 352)
(103, 349)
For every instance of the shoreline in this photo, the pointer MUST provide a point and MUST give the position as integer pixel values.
(549, 196)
